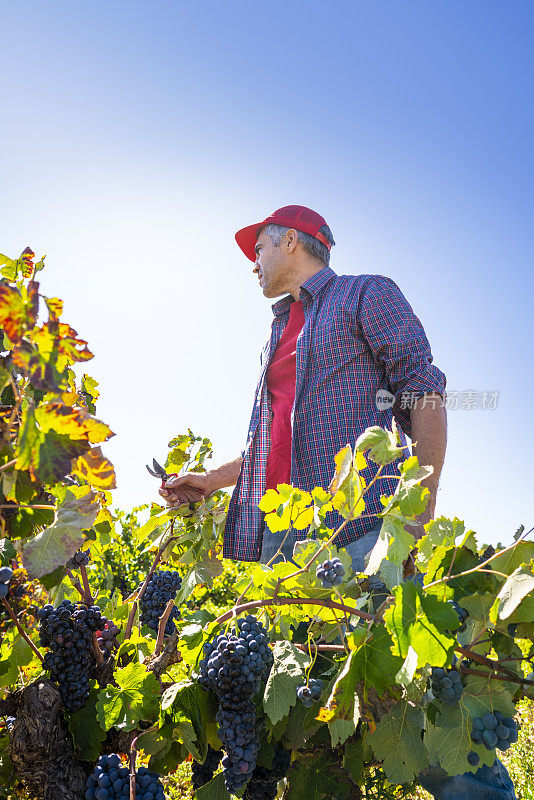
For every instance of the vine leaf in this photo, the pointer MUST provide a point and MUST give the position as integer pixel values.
(133, 698)
(314, 777)
(86, 732)
(448, 740)
(517, 586)
(382, 444)
(96, 469)
(421, 621)
(398, 744)
(286, 674)
(53, 546)
(213, 790)
(192, 711)
(342, 710)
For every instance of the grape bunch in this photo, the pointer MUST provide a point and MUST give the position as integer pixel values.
(68, 633)
(494, 730)
(107, 639)
(463, 614)
(446, 685)
(6, 573)
(161, 588)
(79, 559)
(311, 692)
(331, 573)
(263, 784)
(203, 773)
(110, 780)
(233, 668)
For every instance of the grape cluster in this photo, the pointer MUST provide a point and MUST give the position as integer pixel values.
(463, 614)
(6, 573)
(107, 639)
(494, 730)
(311, 692)
(203, 773)
(110, 780)
(161, 588)
(446, 685)
(68, 633)
(331, 573)
(79, 559)
(263, 784)
(233, 668)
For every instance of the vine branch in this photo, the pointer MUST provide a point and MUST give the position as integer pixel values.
(21, 629)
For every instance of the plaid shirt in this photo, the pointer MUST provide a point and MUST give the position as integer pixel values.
(360, 335)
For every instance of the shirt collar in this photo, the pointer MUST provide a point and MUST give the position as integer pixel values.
(312, 287)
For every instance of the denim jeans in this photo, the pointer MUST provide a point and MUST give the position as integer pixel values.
(487, 783)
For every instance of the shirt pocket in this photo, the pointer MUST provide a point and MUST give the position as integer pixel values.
(334, 344)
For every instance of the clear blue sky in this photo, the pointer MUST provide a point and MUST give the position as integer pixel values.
(137, 137)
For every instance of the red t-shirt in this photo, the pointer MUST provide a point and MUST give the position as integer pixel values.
(281, 375)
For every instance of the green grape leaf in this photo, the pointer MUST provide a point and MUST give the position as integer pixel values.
(213, 790)
(53, 546)
(7, 552)
(86, 732)
(517, 586)
(421, 621)
(398, 744)
(353, 759)
(448, 738)
(382, 444)
(315, 776)
(374, 660)
(135, 697)
(286, 674)
(193, 713)
(522, 553)
(342, 709)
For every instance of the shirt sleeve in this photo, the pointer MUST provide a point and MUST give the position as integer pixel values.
(398, 342)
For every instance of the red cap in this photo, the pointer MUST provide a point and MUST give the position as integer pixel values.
(298, 217)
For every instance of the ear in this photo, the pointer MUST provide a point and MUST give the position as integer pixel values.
(291, 240)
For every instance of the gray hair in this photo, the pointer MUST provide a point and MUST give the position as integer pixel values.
(310, 244)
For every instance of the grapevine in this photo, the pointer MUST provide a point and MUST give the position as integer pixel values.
(228, 678)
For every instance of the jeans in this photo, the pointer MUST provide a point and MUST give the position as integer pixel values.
(487, 783)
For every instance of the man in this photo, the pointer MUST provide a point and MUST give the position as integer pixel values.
(345, 352)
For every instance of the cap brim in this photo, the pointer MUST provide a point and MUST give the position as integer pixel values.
(246, 239)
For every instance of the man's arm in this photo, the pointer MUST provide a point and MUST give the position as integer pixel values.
(191, 486)
(428, 418)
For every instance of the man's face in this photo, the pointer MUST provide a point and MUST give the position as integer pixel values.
(270, 266)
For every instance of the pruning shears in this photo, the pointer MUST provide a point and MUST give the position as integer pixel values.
(159, 472)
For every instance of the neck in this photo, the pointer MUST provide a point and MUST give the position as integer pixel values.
(301, 276)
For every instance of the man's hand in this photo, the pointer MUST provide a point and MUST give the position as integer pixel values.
(188, 488)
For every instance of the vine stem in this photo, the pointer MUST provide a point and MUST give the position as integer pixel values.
(88, 597)
(288, 601)
(161, 627)
(23, 505)
(486, 662)
(9, 464)
(141, 591)
(482, 674)
(327, 648)
(76, 583)
(479, 567)
(132, 760)
(21, 629)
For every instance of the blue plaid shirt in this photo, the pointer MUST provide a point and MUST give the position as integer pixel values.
(360, 335)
